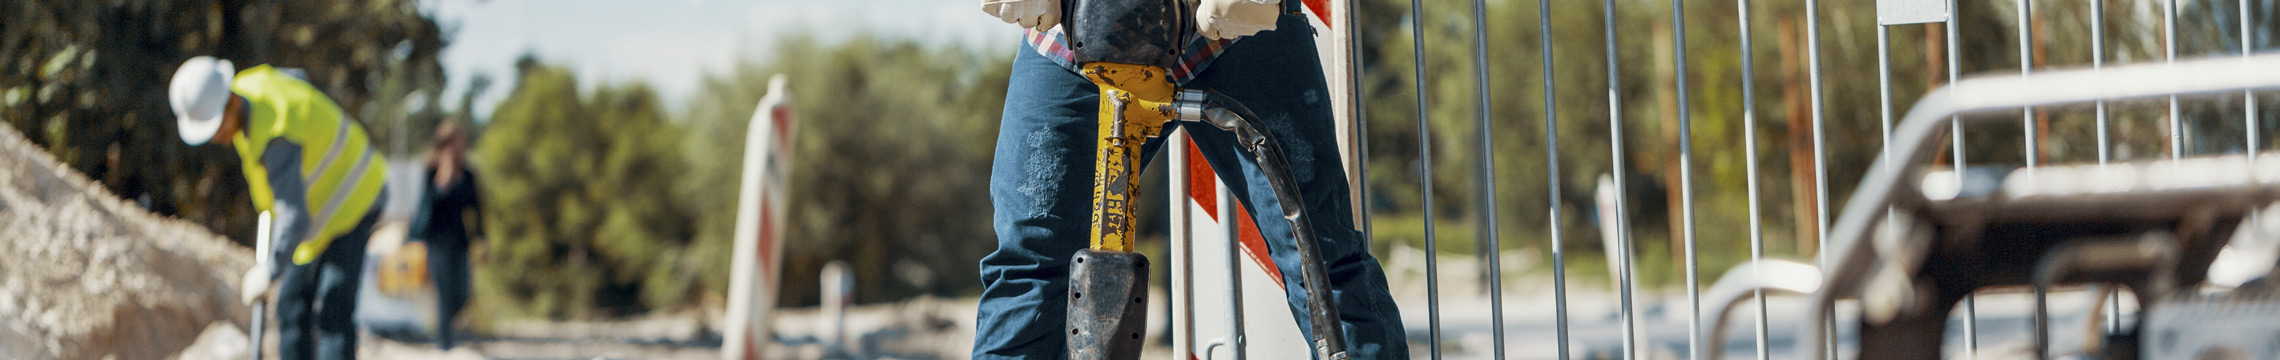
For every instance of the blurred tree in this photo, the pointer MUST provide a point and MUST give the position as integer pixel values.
(87, 81)
(891, 171)
(580, 200)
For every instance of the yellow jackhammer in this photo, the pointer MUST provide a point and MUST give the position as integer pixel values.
(1125, 48)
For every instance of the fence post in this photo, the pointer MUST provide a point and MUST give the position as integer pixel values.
(1552, 174)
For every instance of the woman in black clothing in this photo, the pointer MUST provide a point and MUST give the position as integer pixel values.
(451, 216)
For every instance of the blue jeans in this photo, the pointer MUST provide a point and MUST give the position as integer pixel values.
(1041, 186)
(447, 265)
(316, 302)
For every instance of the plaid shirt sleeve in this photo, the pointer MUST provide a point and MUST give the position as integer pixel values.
(1053, 44)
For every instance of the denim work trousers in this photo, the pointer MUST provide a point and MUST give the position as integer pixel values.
(316, 302)
(1041, 187)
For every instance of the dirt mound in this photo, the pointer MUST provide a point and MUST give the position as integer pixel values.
(85, 275)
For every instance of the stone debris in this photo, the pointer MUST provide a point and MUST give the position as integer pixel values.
(86, 275)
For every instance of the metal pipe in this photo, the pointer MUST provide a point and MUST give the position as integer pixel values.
(1487, 179)
(2248, 118)
(1820, 129)
(1820, 143)
(1916, 131)
(1552, 177)
(2169, 55)
(1686, 181)
(1753, 279)
(2027, 118)
(2154, 254)
(2248, 96)
(1749, 144)
(1227, 219)
(2027, 68)
(1956, 134)
(1183, 238)
(1425, 184)
(1361, 116)
(1615, 132)
(1884, 86)
(2098, 61)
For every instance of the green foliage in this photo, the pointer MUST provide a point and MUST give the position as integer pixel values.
(598, 205)
(891, 167)
(87, 81)
(580, 200)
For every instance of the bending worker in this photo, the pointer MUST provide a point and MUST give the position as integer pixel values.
(313, 168)
(1041, 179)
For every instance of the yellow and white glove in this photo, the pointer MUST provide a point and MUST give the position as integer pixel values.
(257, 285)
(1035, 14)
(1229, 19)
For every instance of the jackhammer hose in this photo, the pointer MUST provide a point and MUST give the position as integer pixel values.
(1225, 113)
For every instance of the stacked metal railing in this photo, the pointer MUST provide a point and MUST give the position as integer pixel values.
(1821, 212)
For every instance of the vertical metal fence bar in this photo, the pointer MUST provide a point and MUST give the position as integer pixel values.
(1615, 134)
(2169, 46)
(1955, 133)
(1749, 145)
(1820, 152)
(1361, 114)
(1552, 174)
(1228, 219)
(2041, 316)
(2248, 96)
(1425, 159)
(1487, 224)
(2105, 145)
(2027, 68)
(1884, 97)
(2098, 61)
(1686, 181)
(2248, 118)
(1183, 242)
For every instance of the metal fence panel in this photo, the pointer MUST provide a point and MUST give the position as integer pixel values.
(1625, 266)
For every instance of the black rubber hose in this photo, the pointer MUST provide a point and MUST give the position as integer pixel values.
(1322, 307)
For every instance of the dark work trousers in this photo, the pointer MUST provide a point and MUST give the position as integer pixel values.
(316, 302)
(447, 262)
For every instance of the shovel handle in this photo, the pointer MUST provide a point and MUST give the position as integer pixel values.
(259, 310)
(260, 256)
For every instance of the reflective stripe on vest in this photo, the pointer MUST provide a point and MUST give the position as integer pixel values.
(310, 248)
(339, 192)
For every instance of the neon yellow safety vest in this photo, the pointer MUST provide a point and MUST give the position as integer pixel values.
(343, 182)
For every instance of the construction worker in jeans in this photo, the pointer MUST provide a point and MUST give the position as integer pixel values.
(1041, 178)
(314, 169)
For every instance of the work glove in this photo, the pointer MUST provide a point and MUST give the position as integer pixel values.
(257, 285)
(1229, 19)
(1035, 14)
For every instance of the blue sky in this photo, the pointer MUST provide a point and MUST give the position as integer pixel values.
(673, 43)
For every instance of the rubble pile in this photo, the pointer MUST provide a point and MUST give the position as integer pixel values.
(86, 275)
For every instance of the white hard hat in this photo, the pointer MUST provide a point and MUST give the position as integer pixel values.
(199, 94)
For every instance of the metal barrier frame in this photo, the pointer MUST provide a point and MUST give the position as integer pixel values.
(1940, 102)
